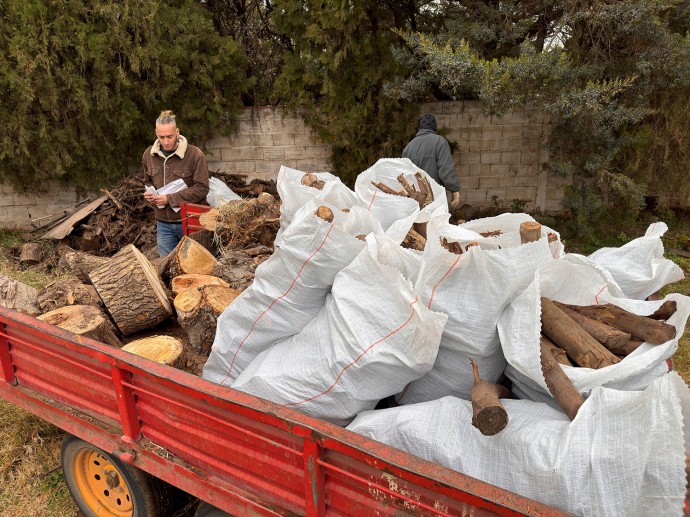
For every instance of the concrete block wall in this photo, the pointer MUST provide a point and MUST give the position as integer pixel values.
(500, 160)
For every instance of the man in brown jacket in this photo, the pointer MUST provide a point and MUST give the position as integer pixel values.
(171, 158)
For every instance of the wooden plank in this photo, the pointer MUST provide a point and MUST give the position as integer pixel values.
(64, 228)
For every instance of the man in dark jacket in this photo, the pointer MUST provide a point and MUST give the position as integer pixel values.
(431, 152)
(171, 158)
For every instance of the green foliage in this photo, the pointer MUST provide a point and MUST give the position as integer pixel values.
(614, 75)
(83, 82)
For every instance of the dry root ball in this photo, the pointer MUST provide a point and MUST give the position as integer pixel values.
(248, 222)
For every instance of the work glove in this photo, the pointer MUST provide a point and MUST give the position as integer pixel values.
(455, 200)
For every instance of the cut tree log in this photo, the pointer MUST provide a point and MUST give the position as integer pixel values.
(413, 241)
(80, 264)
(560, 386)
(162, 349)
(83, 320)
(558, 353)
(67, 291)
(198, 311)
(667, 309)
(530, 231)
(190, 257)
(571, 337)
(325, 213)
(132, 291)
(236, 268)
(615, 340)
(641, 327)
(31, 253)
(18, 296)
(191, 281)
(209, 220)
(488, 414)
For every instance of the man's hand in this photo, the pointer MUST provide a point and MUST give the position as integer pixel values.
(159, 200)
(455, 200)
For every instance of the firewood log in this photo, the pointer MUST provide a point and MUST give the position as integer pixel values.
(31, 253)
(162, 349)
(667, 309)
(132, 291)
(209, 220)
(530, 231)
(413, 241)
(80, 264)
(312, 180)
(191, 281)
(18, 296)
(615, 340)
(558, 353)
(83, 320)
(191, 257)
(67, 291)
(560, 386)
(641, 327)
(571, 337)
(198, 311)
(325, 213)
(488, 414)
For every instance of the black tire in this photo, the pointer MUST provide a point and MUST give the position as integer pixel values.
(99, 481)
(206, 510)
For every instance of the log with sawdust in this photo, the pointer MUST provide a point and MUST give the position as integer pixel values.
(80, 264)
(488, 414)
(18, 296)
(647, 329)
(31, 253)
(162, 349)
(582, 348)
(613, 339)
(530, 231)
(560, 386)
(131, 291)
(190, 257)
(192, 281)
(198, 311)
(558, 353)
(83, 320)
(67, 291)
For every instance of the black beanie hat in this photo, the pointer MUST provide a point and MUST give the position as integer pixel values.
(427, 121)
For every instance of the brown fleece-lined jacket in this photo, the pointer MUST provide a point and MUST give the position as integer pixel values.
(187, 162)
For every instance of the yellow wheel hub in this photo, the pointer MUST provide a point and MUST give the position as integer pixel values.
(101, 484)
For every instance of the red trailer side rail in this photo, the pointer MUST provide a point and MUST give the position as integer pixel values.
(242, 454)
(190, 217)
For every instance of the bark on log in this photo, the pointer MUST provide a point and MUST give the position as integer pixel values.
(488, 414)
(578, 344)
(184, 282)
(80, 264)
(641, 327)
(530, 231)
(191, 257)
(18, 296)
(560, 386)
(69, 291)
(615, 340)
(83, 320)
(132, 291)
(162, 349)
(667, 309)
(558, 353)
(31, 253)
(413, 241)
(198, 311)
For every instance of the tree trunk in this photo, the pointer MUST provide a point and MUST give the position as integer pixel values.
(81, 264)
(184, 282)
(560, 386)
(191, 257)
(131, 291)
(83, 320)
(530, 231)
(31, 253)
(558, 353)
(18, 296)
(162, 349)
(641, 327)
(198, 311)
(613, 339)
(69, 291)
(488, 414)
(565, 333)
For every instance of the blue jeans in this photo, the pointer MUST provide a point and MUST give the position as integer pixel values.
(168, 236)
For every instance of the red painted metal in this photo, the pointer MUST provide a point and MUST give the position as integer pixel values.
(190, 217)
(242, 454)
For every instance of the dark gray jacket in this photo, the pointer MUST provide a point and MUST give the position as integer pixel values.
(431, 152)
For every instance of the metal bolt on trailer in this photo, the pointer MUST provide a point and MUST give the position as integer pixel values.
(136, 421)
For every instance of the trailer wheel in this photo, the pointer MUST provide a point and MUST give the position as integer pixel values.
(102, 485)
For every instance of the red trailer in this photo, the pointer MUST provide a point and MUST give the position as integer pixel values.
(132, 421)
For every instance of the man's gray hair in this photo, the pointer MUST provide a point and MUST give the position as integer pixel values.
(166, 117)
